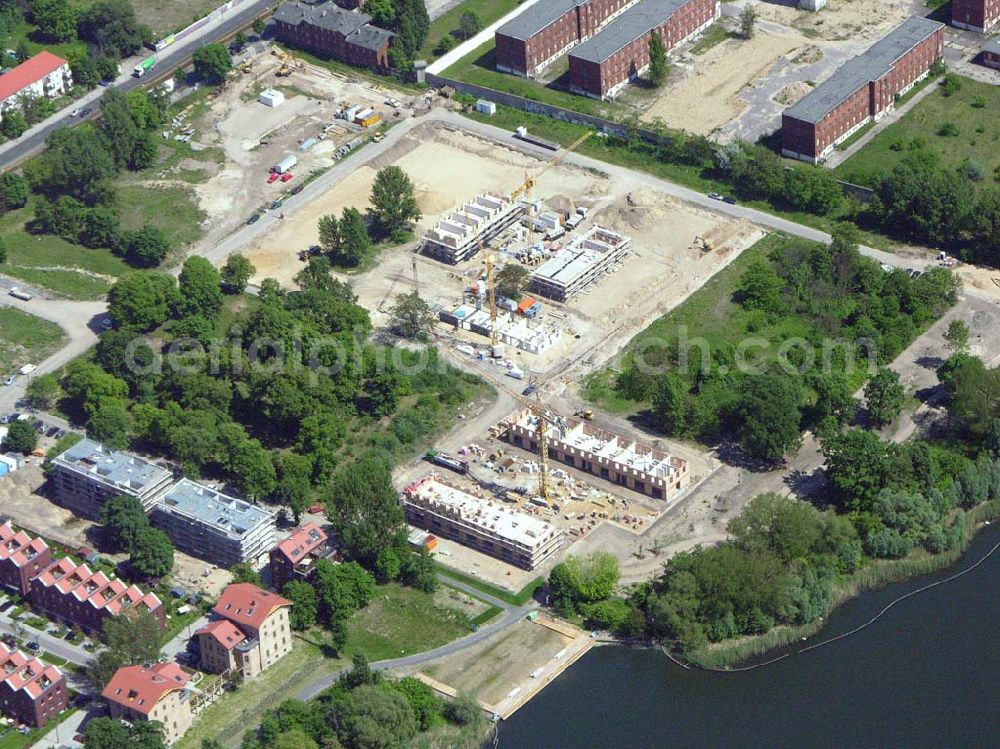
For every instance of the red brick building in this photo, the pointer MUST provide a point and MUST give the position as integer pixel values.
(602, 65)
(991, 54)
(294, 558)
(32, 692)
(526, 43)
(862, 90)
(21, 558)
(975, 15)
(330, 31)
(71, 593)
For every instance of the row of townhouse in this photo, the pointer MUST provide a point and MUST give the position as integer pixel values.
(200, 521)
(32, 692)
(63, 589)
(862, 90)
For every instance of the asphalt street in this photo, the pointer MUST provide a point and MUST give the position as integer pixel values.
(50, 644)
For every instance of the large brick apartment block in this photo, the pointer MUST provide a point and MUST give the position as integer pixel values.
(485, 525)
(21, 558)
(43, 76)
(330, 31)
(213, 526)
(159, 693)
(71, 593)
(249, 632)
(602, 65)
(88, 474)
(975, 15)
(531, 40)
(862, 90)
(294, 558)
(32, 692)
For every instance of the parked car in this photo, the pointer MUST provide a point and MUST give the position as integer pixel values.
(530, 390)
(729, 199)
(86, 111)
(33, 646)
(10, 380)
(75, 113)
(52, 431)
(287, 177)
(715, 196)
(296, 190)
(8, 604)
(107, 323)
(38, 425)
(60, 434)
(276, 205)
(253, 219)
(10, 418)
(273, 177)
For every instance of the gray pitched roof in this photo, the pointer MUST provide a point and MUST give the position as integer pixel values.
(993, 46)
(525, 25)
(370, 37)
(633, 24)
(326, 16)
(861, 70)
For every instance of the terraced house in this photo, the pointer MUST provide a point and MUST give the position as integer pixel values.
(862, 90)
(32, 692)
(21, 558)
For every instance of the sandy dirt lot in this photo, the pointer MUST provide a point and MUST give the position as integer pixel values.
(493, 668)
(707, 98)
(841, 19)
(21, 501)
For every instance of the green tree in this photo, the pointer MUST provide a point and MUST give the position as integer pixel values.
(364, 508)
(305, 604)
(76, 162)
(411, 316)
(244, 572)
(973, 393)
(672, 404)
(22, 53)
(13, 189)
(200, 289)
(212, 63)
(370, 717)
(130, 639)
(252, 467)
(760, 288)
(470, 24)
(145, 247)
(123, 518)
(383, 12)
(55, 19)
(884, 396)
(329, 234)
(748, 21)
(142, 301)
(588, 579)
(152, 554)
(110, 424)
(236, 273)
(769, 416)
(857, 462)
(657, 59)
(294, 485)
(511, 280)
(118, 127)
(259, 25)
(111, 27)
(957, 336)
(354, 242)
(394, 202)
(21, 437)
(464, 710)
(14, 124)
(43, 390)
(342, 589)
(107, 733)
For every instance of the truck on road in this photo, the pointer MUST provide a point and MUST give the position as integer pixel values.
(144, 67)
(17, 293)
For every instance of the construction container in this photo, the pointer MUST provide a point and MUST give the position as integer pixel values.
(271, 98)
(373, 119)
(286, 164)
(497, 351)
(508, 304)
(350, 112)
(486, 107)
(529, 308)
(307, 144)
(362, 114)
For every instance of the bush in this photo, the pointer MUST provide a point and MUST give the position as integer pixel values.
(951, 84)
(948, 130)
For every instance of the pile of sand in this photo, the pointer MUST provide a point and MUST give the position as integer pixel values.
(792, 93)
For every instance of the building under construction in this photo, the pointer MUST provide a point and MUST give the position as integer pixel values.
(580, 263)
(482, 524)
(512, 330)
(458, 236)
(609, 456)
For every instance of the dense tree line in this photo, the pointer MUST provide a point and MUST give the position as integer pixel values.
(366, 710)
(822, 294)
(126, 528)
(74, 177)
(409, 20)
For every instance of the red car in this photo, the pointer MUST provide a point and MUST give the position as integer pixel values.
(317, 509)
(272, 177)
(287, 177)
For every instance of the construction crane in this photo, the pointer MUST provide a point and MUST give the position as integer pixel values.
(529, 180)
(491, 290)
(544, 419)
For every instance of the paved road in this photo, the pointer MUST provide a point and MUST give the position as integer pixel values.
(54, 645)
(17, 150)
(179, 644)
(79, 320)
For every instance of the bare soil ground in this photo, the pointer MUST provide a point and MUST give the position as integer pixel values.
(493, 668)
(841, 19)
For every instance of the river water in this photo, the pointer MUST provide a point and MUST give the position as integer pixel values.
(924, 675)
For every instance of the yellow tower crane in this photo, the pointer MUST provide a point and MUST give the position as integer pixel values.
(529, 180)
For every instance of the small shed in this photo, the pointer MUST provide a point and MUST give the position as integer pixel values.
(486, 107)
(271, 98)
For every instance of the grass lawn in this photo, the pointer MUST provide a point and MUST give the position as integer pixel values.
(25, 338)
(488, 11)
(972, 115)
(242, 709)
(479, 67)
(714, 34)
(710, 314)
(14, 740)
(63, 268)
(164, 16)
(25, 32)
(519, 598)
(173, 209)
(401, 621)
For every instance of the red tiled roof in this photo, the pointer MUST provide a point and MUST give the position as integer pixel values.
(33, 676)
(247, 605)
(301, 542)
(28, 72)
(139, 688)
(97, 589)
(224, 631)
(18, 546)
